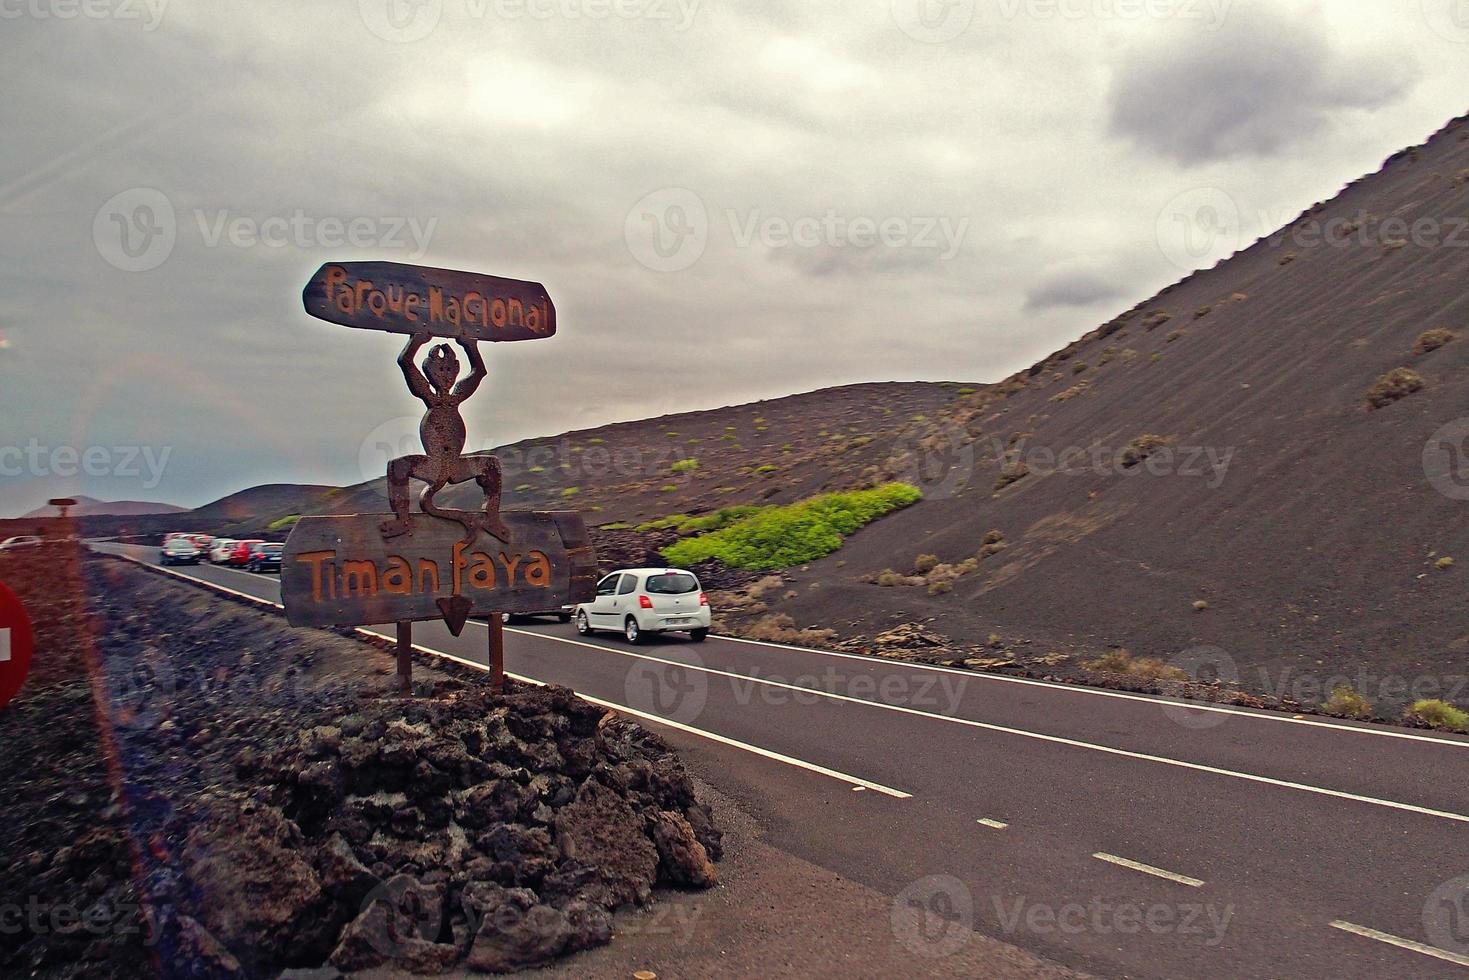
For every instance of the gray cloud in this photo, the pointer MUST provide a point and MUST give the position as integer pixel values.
(1254, 87)
(1070, 290)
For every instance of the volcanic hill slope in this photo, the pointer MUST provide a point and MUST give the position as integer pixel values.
(1318, 548)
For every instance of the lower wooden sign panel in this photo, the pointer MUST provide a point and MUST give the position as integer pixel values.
(340, 571)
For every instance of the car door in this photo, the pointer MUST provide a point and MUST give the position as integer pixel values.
(600, 610)
(625, 600)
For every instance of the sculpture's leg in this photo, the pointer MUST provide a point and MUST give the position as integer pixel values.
(399, 472)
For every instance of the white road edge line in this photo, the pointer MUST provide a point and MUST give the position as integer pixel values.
(1408, 944)
(1148, 869)
(1100, 693)
(992, 824)
(854, 781)
(1054, 739)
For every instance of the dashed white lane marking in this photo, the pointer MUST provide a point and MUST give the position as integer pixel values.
(1023, 733)
(1401, 943)
(1148, 869)
(992, 824)
(857, 782)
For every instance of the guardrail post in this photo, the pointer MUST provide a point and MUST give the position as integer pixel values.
(497, 652)
(405, 658)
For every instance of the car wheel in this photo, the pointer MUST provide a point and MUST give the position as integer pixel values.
(698, 636)
(582, 625)
(631, 630)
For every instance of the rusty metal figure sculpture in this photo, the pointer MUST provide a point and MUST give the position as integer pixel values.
(442, 432)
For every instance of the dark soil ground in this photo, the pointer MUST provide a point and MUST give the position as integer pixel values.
(195, 789)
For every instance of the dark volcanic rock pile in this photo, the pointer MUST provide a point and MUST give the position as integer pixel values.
(496, 830)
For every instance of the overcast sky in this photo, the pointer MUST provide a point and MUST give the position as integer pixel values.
(726, 200)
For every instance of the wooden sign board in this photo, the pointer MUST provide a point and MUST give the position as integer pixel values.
(340, 571)
(410, 299)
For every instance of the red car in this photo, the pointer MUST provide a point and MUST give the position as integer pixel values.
(239, 553)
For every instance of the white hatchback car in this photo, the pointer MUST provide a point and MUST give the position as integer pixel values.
(219, 550)
(638, 601)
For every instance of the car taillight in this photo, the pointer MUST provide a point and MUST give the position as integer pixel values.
(644, 602)
(703, 599)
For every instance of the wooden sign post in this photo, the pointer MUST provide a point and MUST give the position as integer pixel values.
(445, 564)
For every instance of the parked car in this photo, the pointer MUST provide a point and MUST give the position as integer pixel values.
(202, 541)
(24, 541)
(239, 551)
(219, 551)
(264, 557)
(178, 551)
(562, 613)
(639, 601)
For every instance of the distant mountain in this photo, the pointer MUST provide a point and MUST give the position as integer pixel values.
(92, 507)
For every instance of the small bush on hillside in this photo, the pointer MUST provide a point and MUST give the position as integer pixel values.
(1011, 473)
(1444, 563)
(1347, 703)
(779, 537)
(940, 587)
(924, 564)
(1175, 335)
(668, 488)
(283, 523)
(1394, 385)
(685, 465)
(780, 628)
(536, 469)
(1143, 668)
(1202, 312)
(1287, 258)
(663, 523)
(1107, 356)
(993, 537)
(522, 488)
(571, 491)
(1156, 319)
(1080, 367)
(1438, 714)
(1140, 449)
(1432, 340)
(766, 469)
(595, 441)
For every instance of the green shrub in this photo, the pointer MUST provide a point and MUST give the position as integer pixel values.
(663, 523)
(283, 523)
(721, 518)
(522, 488)
(924, 564)
(1395, 384)
(767, 468)
(1144, 668)
(594, 441)
(1347, 703)
(571, 491)
(1438, 714)
(537, 469)
(685, 465)
(779, 537)
(668, 488)
(615, 526)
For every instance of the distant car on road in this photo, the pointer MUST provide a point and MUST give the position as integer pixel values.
(639, 601)
(239, 551)
(202, 541)
(219, 551)
(178, 551)
(24, 541)
(264, 557)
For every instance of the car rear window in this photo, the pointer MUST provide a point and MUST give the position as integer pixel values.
(671, 584)
(271, 549)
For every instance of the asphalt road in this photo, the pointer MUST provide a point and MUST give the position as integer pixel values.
(1119, 834)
